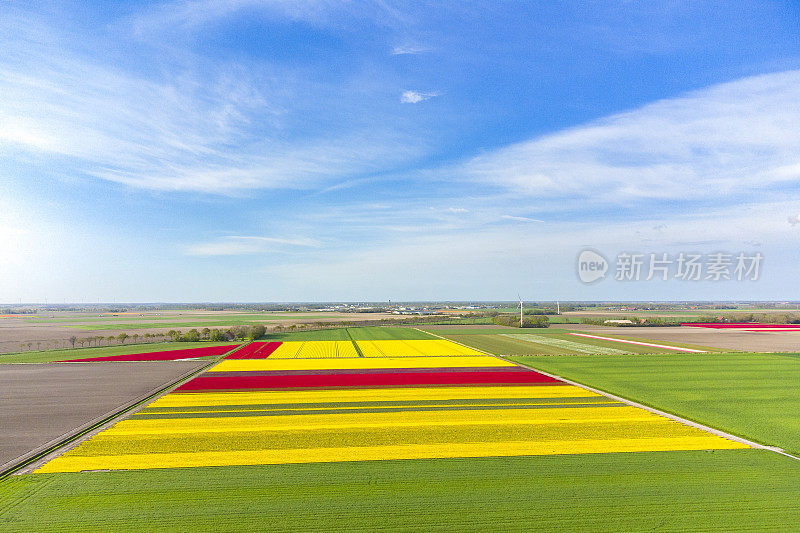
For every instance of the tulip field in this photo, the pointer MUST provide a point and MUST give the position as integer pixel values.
(410, 431)
(440, 400)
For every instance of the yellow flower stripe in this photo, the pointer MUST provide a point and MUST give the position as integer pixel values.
(314, 350)
(413, 348)
(576, 415)
(287, 350)
(361, 363)
(373, 453)
(369, 395)
(274, 440)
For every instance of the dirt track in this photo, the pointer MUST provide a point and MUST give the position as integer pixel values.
(40, 402)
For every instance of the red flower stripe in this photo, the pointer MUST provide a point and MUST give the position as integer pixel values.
(169, 355)
(268, 350)
(255, 350)
(207, 382)
(246, 352)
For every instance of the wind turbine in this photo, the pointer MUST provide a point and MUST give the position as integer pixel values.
(520, 309)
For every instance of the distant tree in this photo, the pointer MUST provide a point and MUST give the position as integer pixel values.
(257, 331)
(29, 345)
(216, 335)
(38, 345)
(121, 337)
(82, 341)
(72, 340)
(192, 335)
(205, 332)
(110, 339)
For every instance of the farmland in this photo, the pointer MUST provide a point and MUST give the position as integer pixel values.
(400, 428)
(621, 492)
(753, 395)
(555, 342)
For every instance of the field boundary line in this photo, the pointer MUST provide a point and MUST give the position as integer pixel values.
(676, 418)
(41, 452)
(640, 343)
(456, 342)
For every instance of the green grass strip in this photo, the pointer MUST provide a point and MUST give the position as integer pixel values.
(224, 414)
(384, 403)
(355, 344)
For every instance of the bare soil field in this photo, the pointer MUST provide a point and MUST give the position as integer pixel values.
(734, 340)
(45, 401)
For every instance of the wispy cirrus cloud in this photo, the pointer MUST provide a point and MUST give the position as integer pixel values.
(226, 130)
(415, 97)
(409, 50)
(520, 219)
(732, 138)
(192, 15)
(247, 245)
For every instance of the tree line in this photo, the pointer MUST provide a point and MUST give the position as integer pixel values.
(535, 321)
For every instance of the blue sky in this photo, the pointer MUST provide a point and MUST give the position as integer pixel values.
(309, 150)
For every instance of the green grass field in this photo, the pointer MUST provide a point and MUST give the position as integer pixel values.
(499, 330)
(387, 333)
(48, 356)
(346, 334)
(665, 491)
(756, 396)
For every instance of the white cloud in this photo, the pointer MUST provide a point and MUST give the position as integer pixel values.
(794, 219)
(415, 97)
(408, 50)
(246, 245)
(727, 139)
(520, 219)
